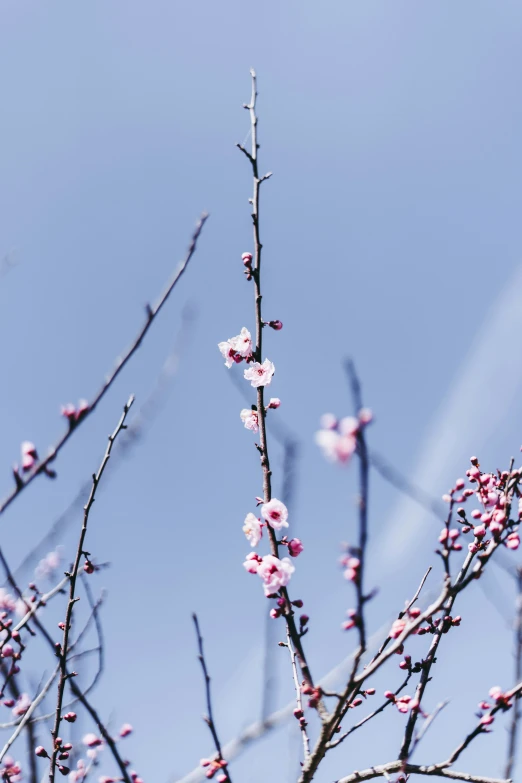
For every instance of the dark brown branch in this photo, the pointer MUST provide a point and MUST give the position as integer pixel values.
(80, 553)
(151, 314)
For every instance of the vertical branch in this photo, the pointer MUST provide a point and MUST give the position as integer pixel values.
(298, 697)
(515, 715)
(209, 719)
(261, 412)
(62, 649)
(364, 471)
(269, 669)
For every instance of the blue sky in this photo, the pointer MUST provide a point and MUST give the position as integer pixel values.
(392, 232)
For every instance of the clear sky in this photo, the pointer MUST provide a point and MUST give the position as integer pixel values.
(392, 234)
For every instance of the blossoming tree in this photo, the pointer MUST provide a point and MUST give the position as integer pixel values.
(483, 514)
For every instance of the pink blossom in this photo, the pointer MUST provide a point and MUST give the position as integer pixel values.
(513, 541)
(250, 419)
(295, 547)
(365, 416)
(7, 651)
(275, 573)
(22, 704)
(228, 353)
(275, 513)
(403, 703)
(349, 426)
(48, 565)
(328, 421)
(29, 455)
(91, 740)
(242, 344)
(397, 628)
(125, 730)
(252, 529)
(7, 601)
(252, 563)
(336, 447)
(260, 374)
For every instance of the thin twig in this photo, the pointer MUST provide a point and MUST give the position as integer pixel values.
(62, 652)
(515, 715)
(298, 696)
(137, 428)
(151, 313)
(80, 695)
(426, 725)
(370, 716)
(27, 716)
(480, 728)
(209, 718)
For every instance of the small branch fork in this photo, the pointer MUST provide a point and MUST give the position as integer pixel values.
(209, 718)
(151, 312)
(442, 769)
(64, 647)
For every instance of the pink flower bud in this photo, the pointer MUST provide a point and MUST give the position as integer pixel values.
(7, 651)
(513, 541)
(275, 402)
(41, 751)
(247, 259)
(295, 547)
(70, 717)
(365, 416)
(389, 695)
(277, 325)
(487, 720)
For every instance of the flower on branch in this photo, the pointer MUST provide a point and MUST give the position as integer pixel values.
(275, 513)
(260, 374)
(250, 419)
(275, 573)
(253, 530)
(237, 348)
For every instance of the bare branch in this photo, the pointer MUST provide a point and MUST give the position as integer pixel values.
(44, 465)
(63, 650)
(209, 719)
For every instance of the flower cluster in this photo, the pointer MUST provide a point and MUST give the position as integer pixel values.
(494, 494)
(213, 766)
(275, 573)
(338, 438)
(403, 703)
(237, 349)
(73, 413)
